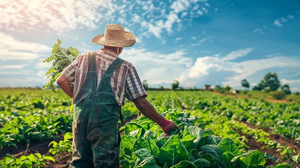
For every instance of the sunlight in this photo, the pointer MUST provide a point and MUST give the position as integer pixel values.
(34, 4)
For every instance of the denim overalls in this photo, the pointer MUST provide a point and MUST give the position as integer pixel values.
(96, 135)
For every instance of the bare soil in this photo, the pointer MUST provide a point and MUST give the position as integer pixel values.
(253, 144)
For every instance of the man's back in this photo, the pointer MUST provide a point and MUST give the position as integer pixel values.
(125, 81)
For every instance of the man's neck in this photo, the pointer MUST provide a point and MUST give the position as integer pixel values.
(114, 49)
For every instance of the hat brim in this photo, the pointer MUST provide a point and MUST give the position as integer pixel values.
(128, 41)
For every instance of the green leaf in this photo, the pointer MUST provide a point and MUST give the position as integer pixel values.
(210, 158)
(146, 158)
(49, 158)
(283, 165)
(227, 145)
(148, 144)
(215, 151)
(127, 144)
(27, 164)
(134, 129)
(184, 164)
(8, 159)
(202, 162)
(252, 158)
(23, 157)
(125, 163)
(68, 136)
(226, 158)
(173, 151)
(60, 58)
(38, 155)
(32, 158)
(193, 153)
(187, 141)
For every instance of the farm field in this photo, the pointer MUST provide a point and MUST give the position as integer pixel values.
(216, 131)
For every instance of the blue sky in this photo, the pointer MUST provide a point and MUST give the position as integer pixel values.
(216, 42)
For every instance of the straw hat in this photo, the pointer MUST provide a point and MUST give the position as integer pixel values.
(115, 36)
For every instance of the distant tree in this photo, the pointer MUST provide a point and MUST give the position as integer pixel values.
(175, 85)
(227, 88)
(256, 88)
(270, 81)
(245, 84)
(145, 84)
(286, 89)
(259, 87)
(218, 88)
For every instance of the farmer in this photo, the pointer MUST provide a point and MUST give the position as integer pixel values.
(101, 82)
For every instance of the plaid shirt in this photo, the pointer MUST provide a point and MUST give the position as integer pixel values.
(125, 80)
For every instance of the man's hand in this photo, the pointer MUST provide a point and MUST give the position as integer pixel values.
(149, 111)
(167, 126)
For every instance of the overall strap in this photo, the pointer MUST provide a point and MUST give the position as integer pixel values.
(92, 61)
(108, 73)
(115, 64)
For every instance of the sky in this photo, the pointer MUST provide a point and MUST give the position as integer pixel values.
(197, 42)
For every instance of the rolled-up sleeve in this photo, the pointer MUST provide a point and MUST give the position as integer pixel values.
(134, 86)
(69, 71)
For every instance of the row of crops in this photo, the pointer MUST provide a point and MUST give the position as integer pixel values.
(208, 134)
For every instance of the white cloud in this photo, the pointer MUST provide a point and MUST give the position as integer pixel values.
(199, 12)
(202, 41)
(210, 69)
(180, 5)
(13, 66)
(236, 54)
(13, 49)
(59, 16)
(257, 30)
(295, 83)
(170, 21)
(23, 72)
(285, 81)
(155, 67)
(178, 39)
(43, 65)
(278, 22)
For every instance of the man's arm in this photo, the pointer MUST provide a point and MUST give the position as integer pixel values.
(149, 111)
(64, 84)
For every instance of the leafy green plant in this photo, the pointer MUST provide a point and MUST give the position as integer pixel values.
(62, 146)
(60, 58)
(32, 160)
(143, 145)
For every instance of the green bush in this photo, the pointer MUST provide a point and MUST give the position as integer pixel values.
(245, 91)
(278, 95)
(266, 90)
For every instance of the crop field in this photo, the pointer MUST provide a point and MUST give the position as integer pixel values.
(216, 131)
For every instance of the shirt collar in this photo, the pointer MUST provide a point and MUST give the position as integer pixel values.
(109, 52)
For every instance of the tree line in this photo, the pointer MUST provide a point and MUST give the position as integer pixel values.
(269, 83)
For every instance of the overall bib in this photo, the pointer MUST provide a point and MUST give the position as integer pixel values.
(96, 135)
